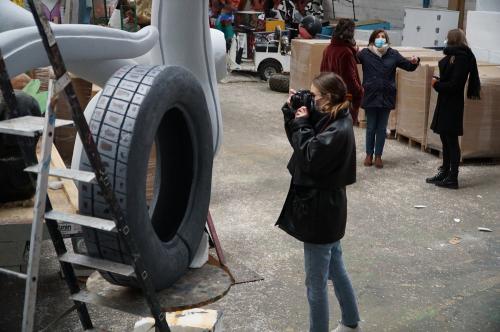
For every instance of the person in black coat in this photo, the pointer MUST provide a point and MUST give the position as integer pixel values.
(458, 64)
(379, 62)
(323, 163)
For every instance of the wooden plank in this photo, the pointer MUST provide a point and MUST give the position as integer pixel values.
(70, 188)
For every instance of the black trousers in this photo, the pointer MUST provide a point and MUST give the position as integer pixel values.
(451, 152)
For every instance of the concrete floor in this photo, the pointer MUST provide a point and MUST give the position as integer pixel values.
(406, 274)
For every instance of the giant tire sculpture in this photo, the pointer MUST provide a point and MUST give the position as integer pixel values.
(139, 106)
(15, 183)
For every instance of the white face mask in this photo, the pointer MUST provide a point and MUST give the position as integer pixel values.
(445, 43)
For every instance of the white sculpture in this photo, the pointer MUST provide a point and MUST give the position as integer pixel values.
(179, 35)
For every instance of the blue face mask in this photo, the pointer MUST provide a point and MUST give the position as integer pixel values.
(379, 42)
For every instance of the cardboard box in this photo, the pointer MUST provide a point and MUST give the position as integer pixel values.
(306, 61)
(425, 56)
(412, 101)
(481, 118)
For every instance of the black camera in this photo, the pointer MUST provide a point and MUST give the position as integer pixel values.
(302, 98)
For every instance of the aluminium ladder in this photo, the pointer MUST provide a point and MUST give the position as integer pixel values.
(32, 127)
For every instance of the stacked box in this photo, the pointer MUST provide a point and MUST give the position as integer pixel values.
(306, 61)
(481, 119)
(412, 101)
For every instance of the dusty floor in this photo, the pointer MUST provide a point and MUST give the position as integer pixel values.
(407, 275)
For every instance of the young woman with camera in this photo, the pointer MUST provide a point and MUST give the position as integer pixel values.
(454, 69)
(379, 62)
(323, 163)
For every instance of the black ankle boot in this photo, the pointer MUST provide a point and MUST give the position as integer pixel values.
(450, 181)
(440, 176)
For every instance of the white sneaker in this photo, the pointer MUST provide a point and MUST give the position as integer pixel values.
(343, 328)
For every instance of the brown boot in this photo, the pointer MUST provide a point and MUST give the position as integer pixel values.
(368, 160)
(378, 162)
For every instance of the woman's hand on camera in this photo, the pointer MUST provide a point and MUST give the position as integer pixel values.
(290, 94)
(302, 112)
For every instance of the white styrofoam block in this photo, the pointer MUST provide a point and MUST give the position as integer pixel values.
(482, 29)
(488, 5)
(191, 320)
(427, 27)
(481, 54)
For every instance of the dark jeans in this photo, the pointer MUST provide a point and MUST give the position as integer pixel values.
(451, 152)
(376, 125)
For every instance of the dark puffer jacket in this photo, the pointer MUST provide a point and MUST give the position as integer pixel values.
(322, 165)
(379, 77)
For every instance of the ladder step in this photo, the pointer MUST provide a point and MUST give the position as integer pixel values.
(14, 274)
(28, 125)
(66, 173)
(93, 222)
(98, 264)
(110, 302)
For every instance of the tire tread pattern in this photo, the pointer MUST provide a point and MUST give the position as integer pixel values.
(111, 125)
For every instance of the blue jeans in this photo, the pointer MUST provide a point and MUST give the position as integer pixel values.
(323, 262)
(376, 125)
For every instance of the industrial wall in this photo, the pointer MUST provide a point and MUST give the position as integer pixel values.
(391, 11)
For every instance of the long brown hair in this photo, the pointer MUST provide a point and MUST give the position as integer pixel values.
(374, 35)
(456, 37)
(331, 86)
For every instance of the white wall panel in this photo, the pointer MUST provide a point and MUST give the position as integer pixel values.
(483, 29)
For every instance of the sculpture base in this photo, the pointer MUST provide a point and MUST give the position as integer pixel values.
(198, 287)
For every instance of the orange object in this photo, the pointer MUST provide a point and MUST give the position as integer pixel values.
(271, 24)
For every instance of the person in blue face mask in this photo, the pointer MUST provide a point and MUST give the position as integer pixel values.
(379, 62)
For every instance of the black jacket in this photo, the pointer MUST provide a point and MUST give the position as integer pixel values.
(322, 164)
(454, 70)
(379, 77)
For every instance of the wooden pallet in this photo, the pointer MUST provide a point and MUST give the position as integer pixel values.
(410, 141)
(467, 160)
(480, 161)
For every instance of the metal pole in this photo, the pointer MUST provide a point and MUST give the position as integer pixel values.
(353, 11)
(38, 217)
